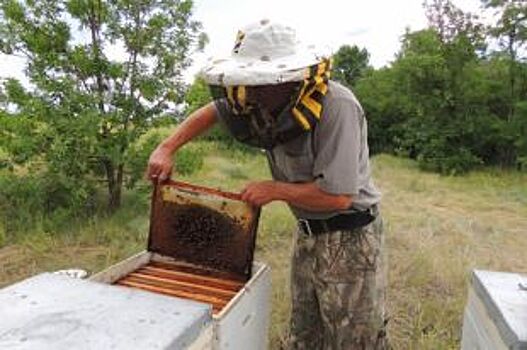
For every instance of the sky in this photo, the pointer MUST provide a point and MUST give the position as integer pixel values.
(376, 25)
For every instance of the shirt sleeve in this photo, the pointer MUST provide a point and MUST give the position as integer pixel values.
(337, 148)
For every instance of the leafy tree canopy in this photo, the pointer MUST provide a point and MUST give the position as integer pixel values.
(101, 71)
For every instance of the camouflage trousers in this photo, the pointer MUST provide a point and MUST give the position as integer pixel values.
(337, 289)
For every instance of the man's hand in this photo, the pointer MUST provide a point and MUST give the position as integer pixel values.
(260, 193)
(159, 165)
(307, 196)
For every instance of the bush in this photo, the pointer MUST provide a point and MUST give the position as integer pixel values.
(189, 159)
(45, 198)
(446, 160)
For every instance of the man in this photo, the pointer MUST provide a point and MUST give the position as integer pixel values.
(274, 94)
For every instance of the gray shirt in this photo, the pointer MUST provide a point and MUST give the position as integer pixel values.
(335, 154)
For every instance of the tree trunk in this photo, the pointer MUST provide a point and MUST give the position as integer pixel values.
(115, 196)
(114, 199)
(114, 178)
(115, 182)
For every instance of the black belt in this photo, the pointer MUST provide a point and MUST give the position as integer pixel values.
(348, 221)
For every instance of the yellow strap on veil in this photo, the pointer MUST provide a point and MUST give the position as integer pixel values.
(308, 107)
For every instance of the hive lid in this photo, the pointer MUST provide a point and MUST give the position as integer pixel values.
(203, 226)
(50, 311)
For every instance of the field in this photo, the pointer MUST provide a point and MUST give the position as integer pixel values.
(437, 230)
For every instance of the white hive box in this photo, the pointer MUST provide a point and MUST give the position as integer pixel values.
(56, 312)
(241, 324)
(496, 312)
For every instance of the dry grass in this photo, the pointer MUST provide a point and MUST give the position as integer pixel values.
(91, 246)
(438, 229)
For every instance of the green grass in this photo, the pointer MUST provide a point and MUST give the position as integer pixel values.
(438, 229)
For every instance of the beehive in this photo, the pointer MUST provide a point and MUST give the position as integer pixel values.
(242, 322)
(496, 312)
(192, 260)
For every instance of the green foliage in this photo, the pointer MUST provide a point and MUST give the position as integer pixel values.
(349, 64)
(440, 156)
(21, 137)
(44, 199)
(521, 130)
(89, 107)
(189, 159)
(197, 96)
(510, 32)
(445, 104)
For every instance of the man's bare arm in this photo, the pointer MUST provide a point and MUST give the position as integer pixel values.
(307, 196)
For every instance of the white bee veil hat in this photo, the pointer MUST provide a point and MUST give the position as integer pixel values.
(265, 53)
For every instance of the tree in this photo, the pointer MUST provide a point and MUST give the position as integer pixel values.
(93, 103)
(386, 107)
(511, 26)
(426, 103)
(511, 33)
(444, 101)
(450, 22)
(349, 64)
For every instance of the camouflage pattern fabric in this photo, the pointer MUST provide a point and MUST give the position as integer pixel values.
(337, 287)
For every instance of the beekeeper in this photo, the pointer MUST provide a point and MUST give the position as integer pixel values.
(275, 94)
